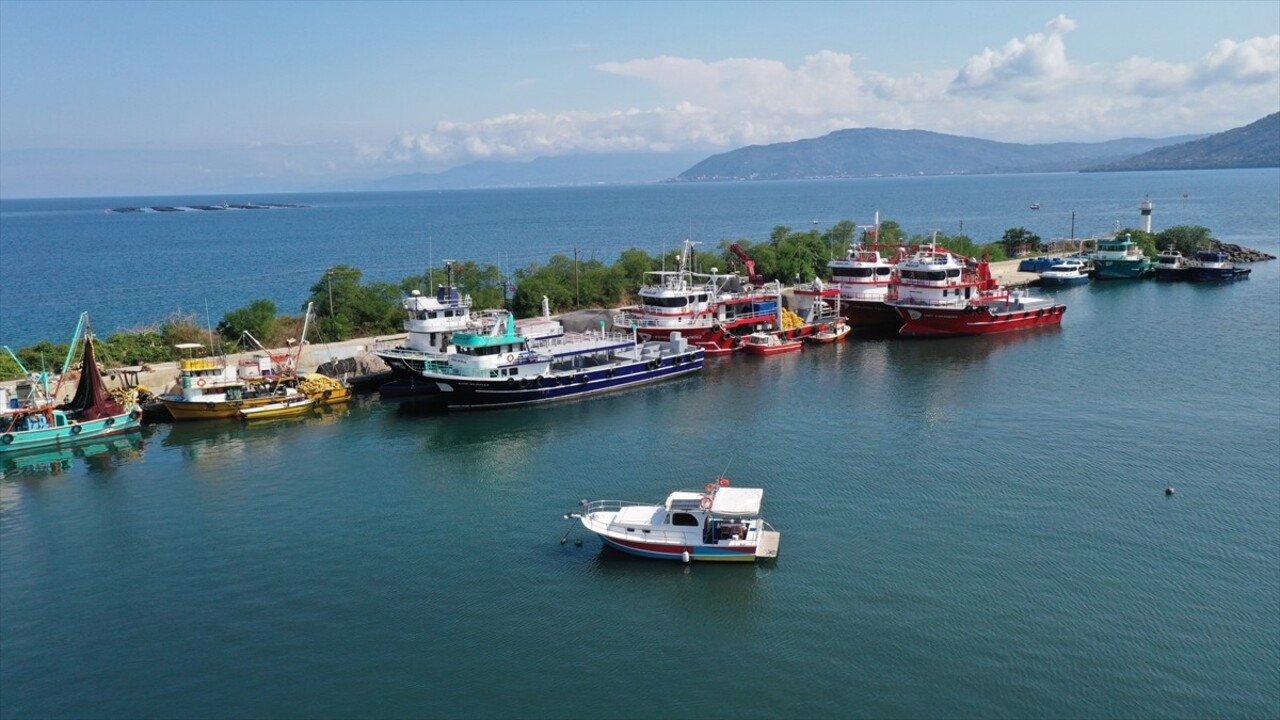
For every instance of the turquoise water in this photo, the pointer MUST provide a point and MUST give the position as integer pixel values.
(970, 528)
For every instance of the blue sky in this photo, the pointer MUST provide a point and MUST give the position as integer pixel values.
(117, 98)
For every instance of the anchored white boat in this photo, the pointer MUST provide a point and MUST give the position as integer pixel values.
(721, 523)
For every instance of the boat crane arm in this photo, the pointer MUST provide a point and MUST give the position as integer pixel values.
(747, 262)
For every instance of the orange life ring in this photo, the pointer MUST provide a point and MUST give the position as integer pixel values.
(511, 358)
(724, 482)
(199, 382)
(705, 503)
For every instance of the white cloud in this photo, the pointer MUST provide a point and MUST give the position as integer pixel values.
(1024, 67)
(1025, 91)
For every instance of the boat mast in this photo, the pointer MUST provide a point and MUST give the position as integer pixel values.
(297, 359)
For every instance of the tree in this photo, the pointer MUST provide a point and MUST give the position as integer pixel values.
(257, 318)
(344, 308)
(1187, 239)
(1018, 240)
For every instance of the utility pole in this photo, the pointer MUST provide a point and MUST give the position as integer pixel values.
(577, 302)
(329, 275)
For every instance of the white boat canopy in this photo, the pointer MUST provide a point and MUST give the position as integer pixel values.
(737, 501)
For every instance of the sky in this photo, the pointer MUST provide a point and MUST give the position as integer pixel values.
(125, 98)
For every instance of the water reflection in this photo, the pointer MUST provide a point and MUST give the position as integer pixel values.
(99, 456)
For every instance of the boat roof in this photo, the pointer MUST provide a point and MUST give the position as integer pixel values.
(474, 340)
(737, 501)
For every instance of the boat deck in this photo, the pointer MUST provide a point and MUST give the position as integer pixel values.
(767, 546)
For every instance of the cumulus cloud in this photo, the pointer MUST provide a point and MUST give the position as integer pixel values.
(1024, 67)
(1026, 90)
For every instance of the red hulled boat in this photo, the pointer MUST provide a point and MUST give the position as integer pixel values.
(938, 293)
(862, 277)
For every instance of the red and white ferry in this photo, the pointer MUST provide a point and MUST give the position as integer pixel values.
(938, 293)
(711, 311)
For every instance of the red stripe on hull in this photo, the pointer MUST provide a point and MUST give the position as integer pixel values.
(943, 322)
(678, 549)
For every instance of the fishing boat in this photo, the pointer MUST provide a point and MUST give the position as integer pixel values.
(214, 388)
(767, 343)
(502, 369)
(939, 293)
(1215, 266)
(721, 524)
(708, 310)
(430, 321)
(1171, 265)
(834, 333)
(1066, 271)
(862, 277)
(287, 408)
(38, 421)
(1120, 258)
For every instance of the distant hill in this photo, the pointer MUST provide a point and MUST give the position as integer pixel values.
(870, 152)
(570, 170)
(1254, 145)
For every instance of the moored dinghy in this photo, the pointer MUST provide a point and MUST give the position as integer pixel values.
(721, 523)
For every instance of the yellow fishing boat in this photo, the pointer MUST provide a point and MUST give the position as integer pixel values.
(289, 408)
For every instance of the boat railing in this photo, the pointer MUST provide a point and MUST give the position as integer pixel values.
(849, 294)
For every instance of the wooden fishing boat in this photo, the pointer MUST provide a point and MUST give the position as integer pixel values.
(288, 408)
(37, 421)
(764, 343)
(831, 334)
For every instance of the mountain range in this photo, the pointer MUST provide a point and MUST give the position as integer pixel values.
(866, 152)
(1254, 145)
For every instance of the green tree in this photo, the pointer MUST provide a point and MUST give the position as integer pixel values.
(257, 318)
(891, 233)
(1019, 239)
(1187, 239)
(345, 308)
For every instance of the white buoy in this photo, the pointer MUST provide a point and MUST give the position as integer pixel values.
(1168, 491)
(685, 556)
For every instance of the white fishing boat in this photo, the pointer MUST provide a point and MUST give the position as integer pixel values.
(721, 524)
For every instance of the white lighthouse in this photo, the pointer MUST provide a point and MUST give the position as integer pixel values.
(1145, 207)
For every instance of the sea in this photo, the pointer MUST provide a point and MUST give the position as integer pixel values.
(970, 528)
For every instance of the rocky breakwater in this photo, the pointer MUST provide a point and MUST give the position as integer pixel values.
(1239, 254)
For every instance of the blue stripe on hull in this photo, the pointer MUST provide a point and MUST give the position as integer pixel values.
(498, 393)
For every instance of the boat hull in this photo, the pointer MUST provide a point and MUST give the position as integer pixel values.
(1172, 274)
(1217, 274)
(12, 442)
(661, 551)
(228, 409)
(1121, 269)
(1050, 281)
(921, 321)
(464, 393)
(869, 315)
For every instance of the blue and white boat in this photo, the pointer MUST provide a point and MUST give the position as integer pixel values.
(1215, 266)
(1066, 271)
(503, 369)
(36, 421)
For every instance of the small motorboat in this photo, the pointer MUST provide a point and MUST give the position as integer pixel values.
(834, 332)
(1067, 271)
(764, 343)
(287, 408)
(721, 523)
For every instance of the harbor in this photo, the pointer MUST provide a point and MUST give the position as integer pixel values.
(381, 558)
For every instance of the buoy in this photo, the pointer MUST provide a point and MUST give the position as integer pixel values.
(685, 556)
(1168, 491)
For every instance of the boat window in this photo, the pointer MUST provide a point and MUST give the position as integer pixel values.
(702, 298)
(953, 272)
(684, 519)
(852, 272)
(667, 302)
(884, 271)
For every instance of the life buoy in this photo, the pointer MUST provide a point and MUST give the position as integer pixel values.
(199, 382)
(75, 429)
(511, 382)
(655, 364)
(723, 482)
(511, 358)
(6, 439)
(705, 503)
(542, 381)
(584, 378)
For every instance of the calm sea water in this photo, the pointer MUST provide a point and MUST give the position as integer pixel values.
(970, 527)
